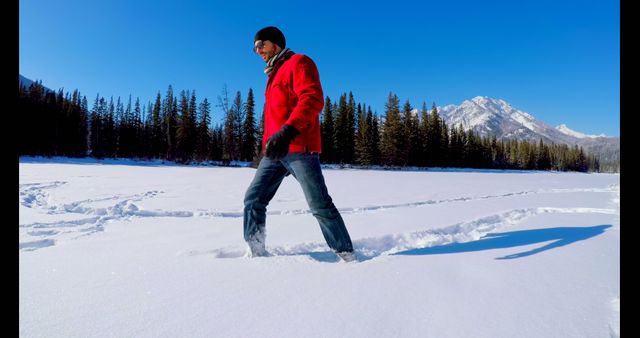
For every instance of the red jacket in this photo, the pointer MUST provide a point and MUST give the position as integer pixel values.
(294, 96)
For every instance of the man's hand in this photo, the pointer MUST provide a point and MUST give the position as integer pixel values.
(278, 144)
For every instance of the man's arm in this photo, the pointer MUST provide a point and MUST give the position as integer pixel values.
(306, 85)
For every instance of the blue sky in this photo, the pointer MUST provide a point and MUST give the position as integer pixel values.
(557, 60)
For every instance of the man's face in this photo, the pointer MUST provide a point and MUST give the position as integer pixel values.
(266, 49)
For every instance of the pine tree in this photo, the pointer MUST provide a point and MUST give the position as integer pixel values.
(341, 130)
(138, 130)
(57, 109)
(374, 136)
(328, 134)
(581, 159)
(350, 131)
(157, 139)
(474, 150)
(96, 139)
(203, 142)
(238, 117)
(122, 127)
(185, 129)
(152, 128)
(50, 125)
(423, 135)
(217, 143)
(34, 105)
(434, 137)
(36, 120)
(444, 144)
(411, 131)
(231, 134)
(130, 126)
(465, 151)
(147, 141)
(193, 117)
(117, 125)
(367, 145)
(260, 133)
(455, 149)
(24, 127)
(523, 155)
(67, 126)
(73, 138)
(544, 157)
(171, 124)
(249, 143)
(109, 135)
(362, 155)
(498, 158)
(392, 143)
(84, 128)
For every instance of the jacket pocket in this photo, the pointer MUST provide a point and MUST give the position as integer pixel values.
(280, 100)
(280, 94)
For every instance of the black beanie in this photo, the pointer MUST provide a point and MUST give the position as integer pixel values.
(272, 34)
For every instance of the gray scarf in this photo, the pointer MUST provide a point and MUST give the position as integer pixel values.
(271, 62)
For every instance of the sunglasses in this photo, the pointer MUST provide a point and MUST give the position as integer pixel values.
(258, 45)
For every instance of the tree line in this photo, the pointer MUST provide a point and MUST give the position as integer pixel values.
(173, 127)
(351, 133)
(178, 128)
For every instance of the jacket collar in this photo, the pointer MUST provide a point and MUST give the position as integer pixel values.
(279, 63)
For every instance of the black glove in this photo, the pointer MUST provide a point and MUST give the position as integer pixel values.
(278, 143)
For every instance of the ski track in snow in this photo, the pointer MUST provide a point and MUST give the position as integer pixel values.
(34, 245)
(372, 247)
(35, 195)
(213, 214)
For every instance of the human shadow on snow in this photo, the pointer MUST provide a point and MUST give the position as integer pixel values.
(560, 236)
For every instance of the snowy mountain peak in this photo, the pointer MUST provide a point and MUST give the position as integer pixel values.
(480, 99)
(487, 114)
(488, 117)
(566, 130)
(488, 102)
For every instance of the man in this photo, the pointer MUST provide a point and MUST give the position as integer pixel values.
(291, 144)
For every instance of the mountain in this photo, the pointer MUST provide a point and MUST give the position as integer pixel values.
(566, 130)
(23, 81)
(487, 117)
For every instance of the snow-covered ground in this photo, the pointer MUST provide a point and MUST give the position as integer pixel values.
(135, 249)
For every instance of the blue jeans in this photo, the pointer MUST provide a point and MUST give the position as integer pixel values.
(305, 167)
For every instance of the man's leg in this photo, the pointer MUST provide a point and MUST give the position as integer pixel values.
(265, 183)
(305, 167)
